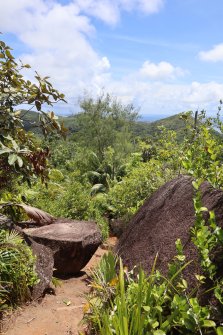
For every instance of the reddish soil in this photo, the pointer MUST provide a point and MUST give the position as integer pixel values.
(52, 316)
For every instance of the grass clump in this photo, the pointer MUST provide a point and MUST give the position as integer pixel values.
(131, 304)
(17, 270)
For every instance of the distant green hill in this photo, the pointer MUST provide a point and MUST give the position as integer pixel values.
(173, 122)
(140, 128)
(31, 121)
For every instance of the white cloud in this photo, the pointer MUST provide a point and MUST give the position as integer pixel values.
(203, 93)
(167, 98)
(58, 39)
(160, 71)
(145, 6)
(109, 11)
(105, 10)
(213, 55)
(58, 36)
(17, 16)
(104, 64)
(151, 6)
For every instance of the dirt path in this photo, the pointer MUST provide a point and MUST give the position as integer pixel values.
(52, 316)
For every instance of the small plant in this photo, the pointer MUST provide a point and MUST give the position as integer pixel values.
(207, 237)
(142, 304)
(17, 270)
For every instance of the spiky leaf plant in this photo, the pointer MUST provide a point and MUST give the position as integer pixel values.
(17, 269)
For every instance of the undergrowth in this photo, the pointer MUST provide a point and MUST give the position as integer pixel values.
(127, 302)
(17, 270)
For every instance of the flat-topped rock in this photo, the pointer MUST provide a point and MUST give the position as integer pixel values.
(73, 243)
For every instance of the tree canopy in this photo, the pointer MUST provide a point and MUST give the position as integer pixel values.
(103, 121)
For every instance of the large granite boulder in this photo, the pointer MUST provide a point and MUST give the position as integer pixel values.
(166, 216)
(73, 243)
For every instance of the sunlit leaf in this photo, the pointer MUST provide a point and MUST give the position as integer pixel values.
(12, 158)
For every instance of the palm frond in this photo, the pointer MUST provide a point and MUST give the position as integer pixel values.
(37, 215)
(11, 237)
(98, 188)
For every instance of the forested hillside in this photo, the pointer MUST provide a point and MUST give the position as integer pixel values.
(139, 128)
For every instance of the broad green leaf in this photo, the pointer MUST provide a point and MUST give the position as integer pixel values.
(5, 150)
(20, 161)
(200, 278)
(203, 209)
(195, 185)
(184, 283)
(209, 323)
(8, 54)
(155, 324)
(32, 99)
(15, 145)
(12, 158)
(38, 105)
(220, 330)
(159, 332)
(212, 215)
(181, 258)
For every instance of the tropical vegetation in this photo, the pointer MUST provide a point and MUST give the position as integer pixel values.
(104, 169)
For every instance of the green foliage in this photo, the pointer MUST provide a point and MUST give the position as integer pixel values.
(208, 238)
(129, 194)
(153, 129)
(20, 154)
(70, 196)
(21, 158)
(130, 304)
(17, 270)
(145, 173)
(104, 123)
(124, 304)
(63, 154)
(202, 150)
(126, 178)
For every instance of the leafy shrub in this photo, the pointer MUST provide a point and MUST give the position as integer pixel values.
(17, 270)
(125, 305)
(202, 150)
(20, 154)
(69, 199)
(128, 195)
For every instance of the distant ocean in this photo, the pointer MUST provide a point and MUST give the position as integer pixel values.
(152, 117)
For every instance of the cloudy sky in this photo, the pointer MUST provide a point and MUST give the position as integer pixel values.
(165, 56)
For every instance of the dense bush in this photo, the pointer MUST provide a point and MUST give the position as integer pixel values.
(129, 194)
(17, 270)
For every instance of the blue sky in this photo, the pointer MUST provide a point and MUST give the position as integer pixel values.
(165, 56)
